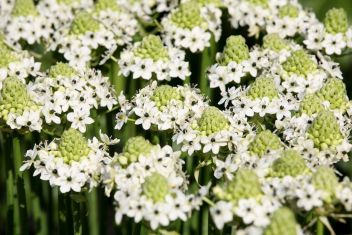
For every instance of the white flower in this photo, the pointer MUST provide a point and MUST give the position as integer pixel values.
(226, 168)
(146, 115)
(221, 213)
(79, 118)
(246, 210)
(334, 44)
(70, 179)
(308, 197)
(143, 68)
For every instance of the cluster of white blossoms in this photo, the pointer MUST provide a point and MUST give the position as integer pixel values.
(84, 41)
(148, 184)
(165, 107)
(150, 59)
(284, 17)
(192, 25)
(252, 197)
(72, 163)
(69, 96)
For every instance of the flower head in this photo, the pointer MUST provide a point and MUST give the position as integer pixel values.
(212, 121)
(263, 87)
(283, 221)
(300, 63)
(336, 21)
(84, 22)
(274, 42)
(133, 149)
(24, 8)
(263, 142)
(334, 91)
(156, 187)
(291, 163)
(235, 49)
(152, 47)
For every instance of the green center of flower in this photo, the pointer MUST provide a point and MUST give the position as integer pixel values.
(283, 221)
(62, 70)
(152, 47)
(290, 163)
(206, 2)
(288, 10)
(235, 49)
(311, 104)
(188, 15)
(334, 91)
(133, 149)
(274, 42)
(263, 87)
(84, 22)
(14, 97)
(7, 57)
(103, 5)
(24, 8)
(263, 3)
(263, 142)
(300, 63)
(67, 2)
(244, 185)
(325, 179)
(336, 21)
(325, 131)
(212, 121)
(156, 187)
(73, 146)
(164, 94)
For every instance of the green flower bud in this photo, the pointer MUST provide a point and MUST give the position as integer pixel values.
(263, 3)
(7, 57)
(263, 142)
(334, 91)
(244, 185)
(207, 2)
(289, 10)
(14, 97)
(164, 94)
(290, 163)
(73, 146)
(212, 121)
(283, 221)
(62, 69)
(325, 131)
(103, 5)
(336, 21)
(156, 187)
(152, 47)
(300, 63)
(235, 49)
(84, 22)
(188, 16)
(24, 8)
(263, 87)
(134, 148)
(311, 104)
(67, 2)
(325, 179)
(274, 42)
(3, 45)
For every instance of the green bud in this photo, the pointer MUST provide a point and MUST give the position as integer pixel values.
(290, 163)
(14, 97)
(73, 146)
(235, 49)
(334, 91)
(103, 5)
(156, 187)
(207, 2)
(325, 131)
(244, 185)
(283, 221)
(336, 21)
(152, 47)
(62, 69)
(325, 179)
(84, 22)
(263, 87)
(67, 2)
(311, 104)
(289, 10)
(263, 3)
(212, 121)
(134, 148)
(188, 15)
(164, 94)
(263, 142)
(274, 42)
(7, 57)
(300, 63)
(24, 8)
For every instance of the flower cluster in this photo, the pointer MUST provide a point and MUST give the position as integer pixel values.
(70, 95)
(150, 59)
(149, 184)
(72, 162)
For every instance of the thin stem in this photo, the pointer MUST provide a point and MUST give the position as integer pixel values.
(320, 227)
(93, 212)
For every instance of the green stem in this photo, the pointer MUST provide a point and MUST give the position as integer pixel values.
(320, 227)
(77, 222)
(10, 192)
(207, 59)
(93, 212)
(118, 81)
